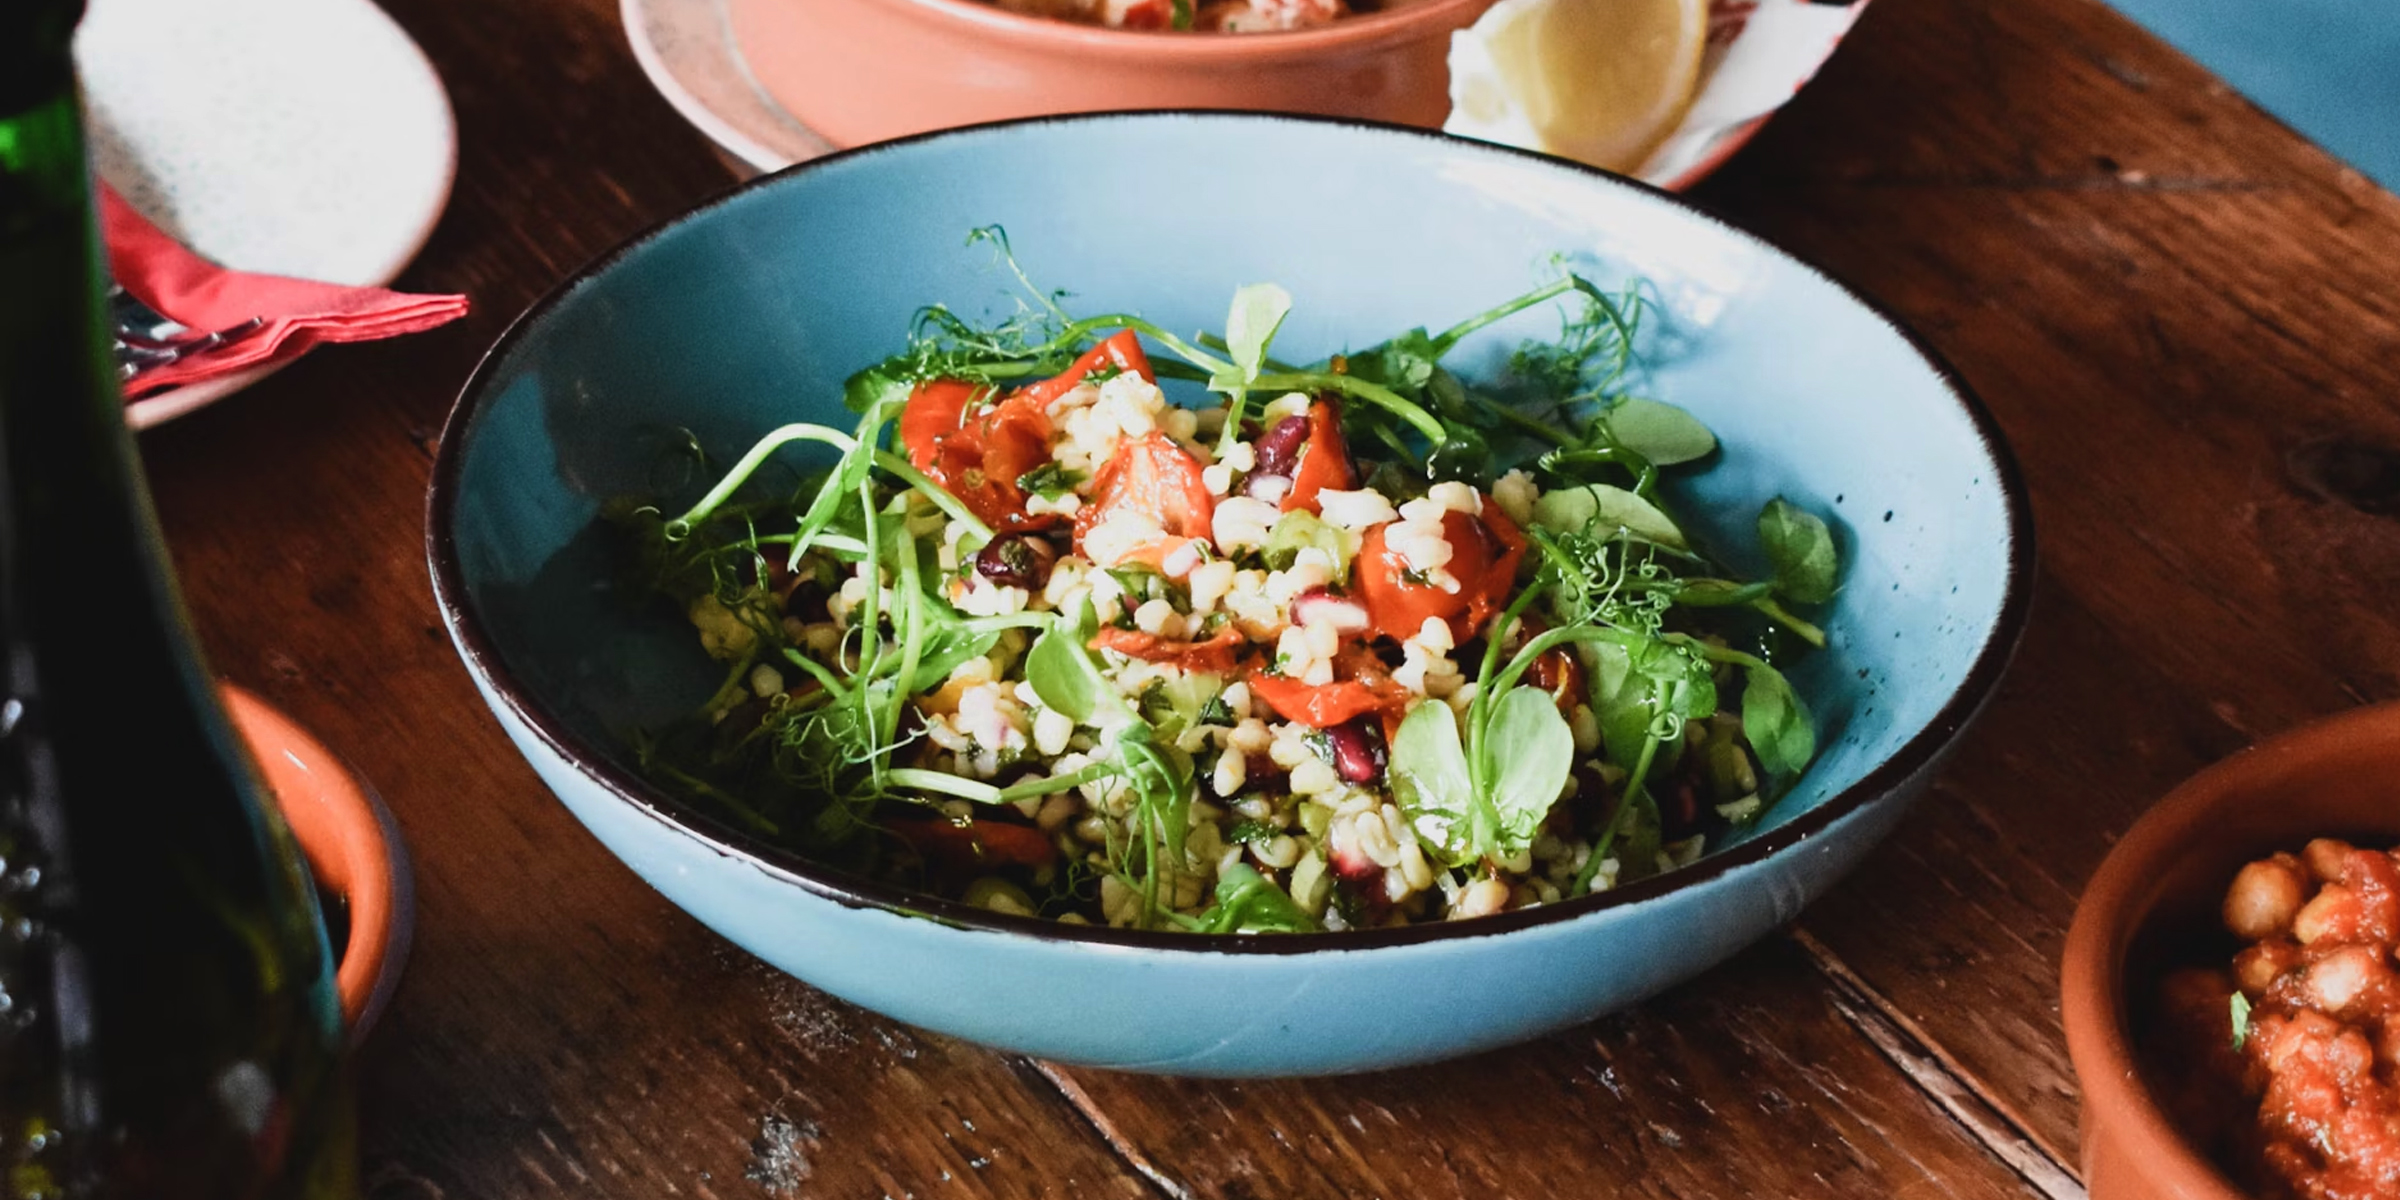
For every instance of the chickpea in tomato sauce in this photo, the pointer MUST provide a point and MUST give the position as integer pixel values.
(2304, 1023)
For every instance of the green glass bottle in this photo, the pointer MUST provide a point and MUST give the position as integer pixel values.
(168, 1025)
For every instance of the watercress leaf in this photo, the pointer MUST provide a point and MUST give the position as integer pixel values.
(1403, 364)
(1464, 455)
(1660, 432)
(1776, 723)
(2240, 1006)
(1431, 782)
(1599, 510)
(1801, 549)
(885, 381)
(1249, 902)
(1250, 324)
(1532, 751)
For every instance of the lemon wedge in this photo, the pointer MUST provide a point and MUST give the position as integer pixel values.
(1599, 81)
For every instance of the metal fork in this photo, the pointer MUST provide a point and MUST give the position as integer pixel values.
(145, 339)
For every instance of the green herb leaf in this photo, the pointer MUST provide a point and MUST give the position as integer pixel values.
(1248, 902)
(1050, 480)
(1531, 751)
(1776, 723)
(1660, 432)
(1431, 782)
(1801, 549)
(1246, 832)
(1258, 311)
(2241, 1021)
(1599, 510)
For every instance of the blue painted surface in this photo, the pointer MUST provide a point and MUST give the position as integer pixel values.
(2328, 68)
(751, 313)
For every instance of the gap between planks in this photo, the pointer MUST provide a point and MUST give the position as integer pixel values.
(1982, 1115)
(1166, 1185)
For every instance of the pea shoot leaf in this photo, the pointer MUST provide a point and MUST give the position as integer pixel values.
(1248, 902)
(1531, 752)
(1776, 723)
(1600, 510)
(1660, 432)
(1257, 312)
(1431, 782)
(1801, 549)
(1062, 672)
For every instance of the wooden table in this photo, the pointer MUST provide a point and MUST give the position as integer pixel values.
(2184, 317)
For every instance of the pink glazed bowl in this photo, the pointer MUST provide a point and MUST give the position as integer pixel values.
(859, 71)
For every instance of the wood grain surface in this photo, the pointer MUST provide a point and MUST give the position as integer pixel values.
(2183, 316)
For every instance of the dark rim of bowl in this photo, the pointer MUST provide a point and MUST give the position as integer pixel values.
(1919, 752)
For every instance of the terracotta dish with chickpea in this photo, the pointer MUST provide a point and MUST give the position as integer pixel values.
(2304, 1026)
(1296, 647)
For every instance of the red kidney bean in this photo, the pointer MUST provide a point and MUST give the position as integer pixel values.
(1359, 755)
(1016, 560)
(1279, 451)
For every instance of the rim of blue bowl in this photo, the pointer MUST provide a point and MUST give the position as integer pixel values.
(1875, 787)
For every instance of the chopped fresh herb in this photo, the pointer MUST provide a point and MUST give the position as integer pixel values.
(1050, 480)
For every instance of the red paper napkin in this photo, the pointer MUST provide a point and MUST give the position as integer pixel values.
(297, 313)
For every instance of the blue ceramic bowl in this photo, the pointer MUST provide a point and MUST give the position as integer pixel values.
(749, 313)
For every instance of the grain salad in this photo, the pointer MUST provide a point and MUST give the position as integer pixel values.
(1297, 647)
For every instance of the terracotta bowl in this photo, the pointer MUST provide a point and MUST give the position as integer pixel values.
(353, 850)
(2338, 777)
(859, 71)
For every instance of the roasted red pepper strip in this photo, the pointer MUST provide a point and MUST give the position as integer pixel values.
(1154, 478)
(976, 845)
(1321, 705)
(1500, 579)
(1121, 350)
(935, 409)
(1484, 553)
(977, 456)
(1324, 460)
(1216, 655)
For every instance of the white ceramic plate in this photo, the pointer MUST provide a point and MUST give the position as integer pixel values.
(1760, 53)
(297, 137)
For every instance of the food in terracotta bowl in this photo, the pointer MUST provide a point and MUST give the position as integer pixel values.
(1662, 89)
(2231, 995)
(1102, 681)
